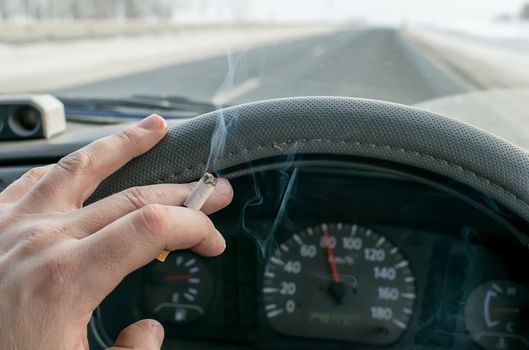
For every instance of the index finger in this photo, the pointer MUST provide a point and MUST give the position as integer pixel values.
(75, 177)
(23, 184)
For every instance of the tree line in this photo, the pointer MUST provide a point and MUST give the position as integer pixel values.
(105, 9)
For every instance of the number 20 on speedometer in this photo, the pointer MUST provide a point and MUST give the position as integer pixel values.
(341, 282)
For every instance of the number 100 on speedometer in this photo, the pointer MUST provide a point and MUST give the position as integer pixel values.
(342, 282)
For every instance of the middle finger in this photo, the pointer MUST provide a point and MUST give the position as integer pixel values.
(97, 215)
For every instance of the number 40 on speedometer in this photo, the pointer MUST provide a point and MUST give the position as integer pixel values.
(342, 282)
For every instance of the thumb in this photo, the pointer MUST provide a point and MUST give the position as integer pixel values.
(142, 335)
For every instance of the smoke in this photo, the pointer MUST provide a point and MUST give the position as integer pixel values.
(286, 195)
(264, 237)
(220, 133)
(218, 143)
(254, 202)
(457, 268)
(270, 244)
(264, 233)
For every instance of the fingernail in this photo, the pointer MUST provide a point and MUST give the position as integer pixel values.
(152, 122)
(158, 332)
(223, 187)
(223, 240)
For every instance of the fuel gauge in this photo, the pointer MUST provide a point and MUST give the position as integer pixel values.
(497, 315)
(179, 290)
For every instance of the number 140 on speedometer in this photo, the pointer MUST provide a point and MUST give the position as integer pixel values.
(342, 282)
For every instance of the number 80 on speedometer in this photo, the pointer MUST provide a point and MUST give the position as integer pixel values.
(341, 282)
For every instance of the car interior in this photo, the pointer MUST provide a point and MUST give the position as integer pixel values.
(379, 162)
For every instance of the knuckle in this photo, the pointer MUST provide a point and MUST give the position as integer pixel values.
(129, 136)
(152, 220)
(137, 196)
(36, 173)
(77, 163)
(57, 273)
(37, 237)
(34, 239)
(57, 269)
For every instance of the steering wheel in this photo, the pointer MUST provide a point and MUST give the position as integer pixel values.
(323, 130)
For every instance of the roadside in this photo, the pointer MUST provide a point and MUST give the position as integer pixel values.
(61, 30)
(495, 68)
(13, 33)
(482, 64)
(57, 64)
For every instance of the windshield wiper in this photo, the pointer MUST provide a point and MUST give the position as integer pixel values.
(178, 102)
(117, 110)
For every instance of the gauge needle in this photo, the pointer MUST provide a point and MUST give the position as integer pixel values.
(178, 277)
(336, 289)
(330, 255)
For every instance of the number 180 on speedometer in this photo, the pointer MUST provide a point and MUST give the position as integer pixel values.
(342, 282)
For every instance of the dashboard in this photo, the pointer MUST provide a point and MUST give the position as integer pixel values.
(356, 224)
(341, 258)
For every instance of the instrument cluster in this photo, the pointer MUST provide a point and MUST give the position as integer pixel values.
(325, 257)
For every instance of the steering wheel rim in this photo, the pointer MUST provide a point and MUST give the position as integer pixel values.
(335, 126)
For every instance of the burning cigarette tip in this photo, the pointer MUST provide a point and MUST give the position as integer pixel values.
(209, 179)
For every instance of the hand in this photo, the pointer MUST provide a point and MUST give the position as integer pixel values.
(58, 259)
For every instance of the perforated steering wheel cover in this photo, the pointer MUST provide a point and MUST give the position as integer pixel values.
(337, 126)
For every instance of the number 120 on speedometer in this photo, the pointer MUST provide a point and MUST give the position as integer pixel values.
(341, 282)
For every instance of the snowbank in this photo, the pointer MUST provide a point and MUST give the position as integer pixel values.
(493, 55)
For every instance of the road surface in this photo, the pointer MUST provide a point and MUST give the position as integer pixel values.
(373, 63)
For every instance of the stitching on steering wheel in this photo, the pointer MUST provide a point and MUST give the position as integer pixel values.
(278, 146)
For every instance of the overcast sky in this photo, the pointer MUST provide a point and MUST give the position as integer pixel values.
(380, 11)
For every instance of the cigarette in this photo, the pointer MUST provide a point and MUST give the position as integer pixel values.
(196, 199)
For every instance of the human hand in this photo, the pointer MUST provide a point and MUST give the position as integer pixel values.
(58, 259)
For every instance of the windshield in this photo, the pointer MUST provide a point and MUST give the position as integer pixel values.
(227, 52)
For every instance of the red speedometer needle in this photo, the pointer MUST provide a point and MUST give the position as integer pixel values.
(330, 254)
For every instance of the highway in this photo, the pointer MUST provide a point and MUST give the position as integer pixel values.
(375, 63)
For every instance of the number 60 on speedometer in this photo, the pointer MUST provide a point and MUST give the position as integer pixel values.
(341, 282)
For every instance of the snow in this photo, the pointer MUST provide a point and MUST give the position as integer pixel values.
(481, 59)
(48, 65)
(513, 33)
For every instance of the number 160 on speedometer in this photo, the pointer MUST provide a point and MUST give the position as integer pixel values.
(342, 282)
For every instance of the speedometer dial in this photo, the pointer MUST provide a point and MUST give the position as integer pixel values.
(181, 289)
(342, 282)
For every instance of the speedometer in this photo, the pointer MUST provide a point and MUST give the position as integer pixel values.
(341, 282)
